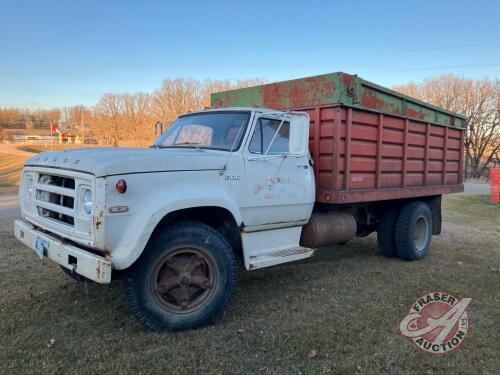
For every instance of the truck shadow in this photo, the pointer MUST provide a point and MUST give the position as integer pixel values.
(281, 285)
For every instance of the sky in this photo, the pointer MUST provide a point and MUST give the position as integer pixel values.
(62, 53)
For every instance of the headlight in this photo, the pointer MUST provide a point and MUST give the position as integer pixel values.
(28, 188)
(87, 201)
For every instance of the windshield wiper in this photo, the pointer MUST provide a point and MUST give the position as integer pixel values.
(186, 143)
(195, 144)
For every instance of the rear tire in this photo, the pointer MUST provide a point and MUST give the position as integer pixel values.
(183, 280)
(385, 232)
(413, 231)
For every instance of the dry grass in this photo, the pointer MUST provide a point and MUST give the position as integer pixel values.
(11, 164)
(40, 148)
(10, 169)
(345, 303)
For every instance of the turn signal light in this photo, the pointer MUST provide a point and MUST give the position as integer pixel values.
(121, 186)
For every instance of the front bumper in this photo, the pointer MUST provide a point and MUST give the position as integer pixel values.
(82, 262)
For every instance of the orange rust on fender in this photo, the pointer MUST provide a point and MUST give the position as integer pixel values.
(98, 219)
(98, 270)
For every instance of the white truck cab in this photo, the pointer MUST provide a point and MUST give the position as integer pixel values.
(218, 186)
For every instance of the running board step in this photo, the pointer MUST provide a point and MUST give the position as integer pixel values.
(279, 256)
(275, 246)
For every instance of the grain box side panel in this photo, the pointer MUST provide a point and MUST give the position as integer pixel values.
(356, 151)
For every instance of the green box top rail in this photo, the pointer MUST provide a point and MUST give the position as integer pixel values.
(336, 89)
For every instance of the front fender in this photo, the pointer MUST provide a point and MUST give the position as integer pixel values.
(127, 234)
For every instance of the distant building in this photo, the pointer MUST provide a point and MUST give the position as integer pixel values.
(39, 137)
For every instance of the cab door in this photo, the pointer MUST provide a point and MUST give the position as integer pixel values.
(279, 180)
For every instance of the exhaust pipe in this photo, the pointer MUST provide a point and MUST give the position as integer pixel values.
(328, 228)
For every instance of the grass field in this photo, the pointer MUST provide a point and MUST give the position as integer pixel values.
(11, 163)
(40, 148)
(345, 304)
(10, 168)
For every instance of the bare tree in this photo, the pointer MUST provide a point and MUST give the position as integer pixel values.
(138, 118)
(182, 95)
(108, 118)
(11, 117)
(479, 100)
(178, 96)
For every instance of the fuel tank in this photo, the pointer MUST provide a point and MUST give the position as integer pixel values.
(328, 228)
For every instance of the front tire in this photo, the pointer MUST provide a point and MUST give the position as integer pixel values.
(183, 280)
(413, 231)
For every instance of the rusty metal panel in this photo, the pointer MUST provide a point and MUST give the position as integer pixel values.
(304, 92)
(336, 88)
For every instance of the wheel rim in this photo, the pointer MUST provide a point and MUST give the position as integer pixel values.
(421, 233)
(184, 280)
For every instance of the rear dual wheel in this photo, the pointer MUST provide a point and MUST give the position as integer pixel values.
(406, 232)
(385, 232)
(413, 231)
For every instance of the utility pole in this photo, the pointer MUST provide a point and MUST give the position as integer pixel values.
(81, 130)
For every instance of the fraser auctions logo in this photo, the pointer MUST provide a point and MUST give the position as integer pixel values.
(437, 322)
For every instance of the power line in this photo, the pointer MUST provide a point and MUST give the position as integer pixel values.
(434, 68)
(452, 47)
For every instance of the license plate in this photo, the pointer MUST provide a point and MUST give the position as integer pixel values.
(41, 246)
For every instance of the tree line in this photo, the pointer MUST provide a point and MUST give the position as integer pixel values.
(127, 119)
(124, 119)
(22, 118)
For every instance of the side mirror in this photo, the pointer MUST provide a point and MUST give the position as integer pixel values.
(158, 128)
(299, 133)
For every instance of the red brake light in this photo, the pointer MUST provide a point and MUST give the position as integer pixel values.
(121, 186)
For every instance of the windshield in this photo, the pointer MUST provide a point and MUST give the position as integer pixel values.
(211, 130)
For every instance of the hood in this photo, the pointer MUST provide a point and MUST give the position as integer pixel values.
(102, 161)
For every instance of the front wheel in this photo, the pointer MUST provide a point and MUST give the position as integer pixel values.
(413, 231)
(184, 279)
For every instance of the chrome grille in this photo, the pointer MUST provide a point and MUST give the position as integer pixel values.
(55, 198)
